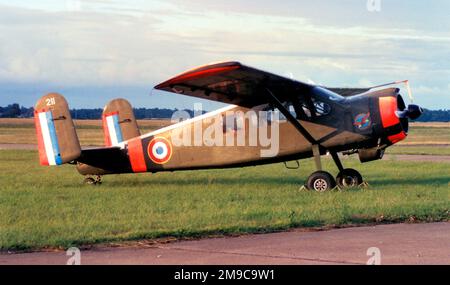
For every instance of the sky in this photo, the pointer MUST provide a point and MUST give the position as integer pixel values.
(92, 51)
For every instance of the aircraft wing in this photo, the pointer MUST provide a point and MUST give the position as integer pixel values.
(233, 83)
(348, 91)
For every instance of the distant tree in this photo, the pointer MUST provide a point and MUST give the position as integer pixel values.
(26, 112)
(434, 116)
(11, 111)
(86, 114)
(16, 111)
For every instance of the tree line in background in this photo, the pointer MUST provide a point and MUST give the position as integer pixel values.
(17, 111)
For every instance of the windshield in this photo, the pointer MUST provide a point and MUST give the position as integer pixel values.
(326, 95)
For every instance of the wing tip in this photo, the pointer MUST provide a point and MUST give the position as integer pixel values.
(200, 71)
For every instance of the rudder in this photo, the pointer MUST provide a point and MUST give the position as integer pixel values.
(119, 122)
(57, 139)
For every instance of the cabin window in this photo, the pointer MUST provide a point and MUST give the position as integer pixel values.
(318, 108)
(322, 108)
(301, 111)
(271, 112)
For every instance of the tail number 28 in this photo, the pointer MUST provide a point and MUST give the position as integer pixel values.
(50, 101)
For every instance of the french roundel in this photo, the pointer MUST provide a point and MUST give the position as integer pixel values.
(159, 150)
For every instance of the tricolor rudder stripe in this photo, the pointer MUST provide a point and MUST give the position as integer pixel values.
(49, 153)
(111, 127)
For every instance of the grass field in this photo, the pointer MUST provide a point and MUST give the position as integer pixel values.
(44, 207)
(425, 134)
(422, 150)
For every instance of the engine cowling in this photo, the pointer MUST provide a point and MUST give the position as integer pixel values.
(395, 117)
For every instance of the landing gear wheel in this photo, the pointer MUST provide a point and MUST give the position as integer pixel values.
(349, 178)
(93, 181)
(98, 180)
(320, 181)
(89, 181)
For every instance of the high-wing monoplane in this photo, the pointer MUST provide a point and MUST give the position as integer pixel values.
(268, 119)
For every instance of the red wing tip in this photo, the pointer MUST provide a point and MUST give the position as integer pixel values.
(201, 70)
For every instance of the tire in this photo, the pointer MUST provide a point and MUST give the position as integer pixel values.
(349, 178)
(320, 181)
(89, 181)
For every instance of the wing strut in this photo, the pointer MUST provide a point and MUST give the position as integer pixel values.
(274, 100)
(315, 144)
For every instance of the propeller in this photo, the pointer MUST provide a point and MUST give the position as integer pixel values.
(411, 112)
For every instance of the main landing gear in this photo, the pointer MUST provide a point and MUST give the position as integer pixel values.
(322, 181)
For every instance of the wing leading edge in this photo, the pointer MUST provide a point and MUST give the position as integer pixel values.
(233, 83)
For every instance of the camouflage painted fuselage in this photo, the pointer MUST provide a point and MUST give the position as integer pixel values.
(361, 123)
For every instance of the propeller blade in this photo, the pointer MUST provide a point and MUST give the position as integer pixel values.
(406, 82)
(408, 88)
(411, 112)
(401, 114)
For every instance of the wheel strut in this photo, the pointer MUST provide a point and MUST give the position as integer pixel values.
(336, 159)
(316, 154)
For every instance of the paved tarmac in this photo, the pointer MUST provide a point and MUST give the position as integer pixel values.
(395, 244)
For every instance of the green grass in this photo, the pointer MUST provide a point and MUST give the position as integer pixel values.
(49, 207)
(428, 135)
(422, 150)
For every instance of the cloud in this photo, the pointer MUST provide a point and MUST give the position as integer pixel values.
(141, 43)
(404, 14)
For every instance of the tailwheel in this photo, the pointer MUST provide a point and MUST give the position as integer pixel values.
(93, 181)
(89, 181)
(320, 181)
(98, 179)
(349, 178)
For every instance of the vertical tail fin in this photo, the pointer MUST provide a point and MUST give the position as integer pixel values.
(57, 139)
(119, 123)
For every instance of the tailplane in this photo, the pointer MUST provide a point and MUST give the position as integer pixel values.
(57, 139)
(119, 123)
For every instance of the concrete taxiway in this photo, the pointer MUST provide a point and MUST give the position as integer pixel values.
(387, 244)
